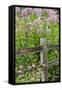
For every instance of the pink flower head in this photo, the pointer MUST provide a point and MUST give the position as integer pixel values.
(37, 12)
(29, 10)
(51, 12)
(45, 10)
(24, 12)
(52, 18)
(18, 10)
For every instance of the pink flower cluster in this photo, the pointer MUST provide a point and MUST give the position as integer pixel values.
(52, 16)
(37, 12)
(52, 13)
(26, 12)
(18, 10)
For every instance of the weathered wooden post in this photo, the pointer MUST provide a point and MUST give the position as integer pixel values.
(44, 60)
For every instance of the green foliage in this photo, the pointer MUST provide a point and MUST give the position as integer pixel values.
(30, 39)
(32, 76)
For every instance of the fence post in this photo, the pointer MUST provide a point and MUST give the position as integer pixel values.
(44, 60)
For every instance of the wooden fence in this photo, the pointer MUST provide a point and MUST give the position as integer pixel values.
(43, 49)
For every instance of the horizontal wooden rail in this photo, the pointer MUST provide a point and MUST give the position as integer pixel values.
(53, 63)
(53, 47)
(36, 49)
(28, 50)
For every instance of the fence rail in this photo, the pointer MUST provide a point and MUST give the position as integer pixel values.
(36, 49)
(53, 63)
